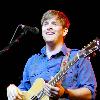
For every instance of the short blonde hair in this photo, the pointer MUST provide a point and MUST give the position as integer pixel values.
(60, 16)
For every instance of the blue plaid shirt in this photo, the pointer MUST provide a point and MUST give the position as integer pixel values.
(81, 74)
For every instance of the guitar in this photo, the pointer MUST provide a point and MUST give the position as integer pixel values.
(36, 92)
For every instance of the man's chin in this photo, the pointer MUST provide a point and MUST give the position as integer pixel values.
(49, 42)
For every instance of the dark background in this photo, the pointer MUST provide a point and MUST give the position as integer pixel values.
(85, 20)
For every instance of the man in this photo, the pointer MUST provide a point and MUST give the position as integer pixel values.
(78, 84)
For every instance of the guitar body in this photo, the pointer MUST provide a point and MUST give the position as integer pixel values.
(34, 90)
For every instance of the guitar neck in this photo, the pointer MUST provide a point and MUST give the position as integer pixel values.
(63, 71)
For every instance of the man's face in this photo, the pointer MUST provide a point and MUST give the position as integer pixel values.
(52, 30)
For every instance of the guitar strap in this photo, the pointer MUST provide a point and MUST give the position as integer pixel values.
(65, 58)
(65, 61)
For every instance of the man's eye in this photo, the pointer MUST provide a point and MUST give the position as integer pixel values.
(45, 23)
(54, 23)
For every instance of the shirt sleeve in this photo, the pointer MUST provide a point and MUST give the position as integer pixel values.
(86, 76)
(25, 82)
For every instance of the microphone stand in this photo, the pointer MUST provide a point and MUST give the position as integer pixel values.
(12, 42)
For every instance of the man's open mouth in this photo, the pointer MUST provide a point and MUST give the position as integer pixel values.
(50, 33)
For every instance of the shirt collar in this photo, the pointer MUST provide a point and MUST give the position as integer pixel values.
(64, 50)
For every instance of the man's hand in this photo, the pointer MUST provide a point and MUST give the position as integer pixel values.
(61, 89)
(13, 93)
(54, 91)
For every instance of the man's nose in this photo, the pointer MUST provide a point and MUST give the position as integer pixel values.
(49, 29)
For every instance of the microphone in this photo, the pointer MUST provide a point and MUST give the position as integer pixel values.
(26, 28)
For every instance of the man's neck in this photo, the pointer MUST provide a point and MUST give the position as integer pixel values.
(53, 49)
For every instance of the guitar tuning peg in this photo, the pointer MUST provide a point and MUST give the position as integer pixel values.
(88, 44)
(88, 58)
(94, 40)
(90, 51)
(84, 46)
(98, 43)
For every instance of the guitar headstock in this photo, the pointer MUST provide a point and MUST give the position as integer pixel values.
(90, 48)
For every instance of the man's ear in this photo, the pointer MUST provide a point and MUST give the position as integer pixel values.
(65, 31)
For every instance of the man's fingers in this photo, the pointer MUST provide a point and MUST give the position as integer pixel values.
(13, 93)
